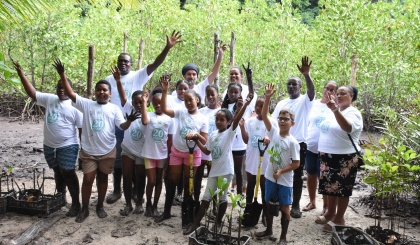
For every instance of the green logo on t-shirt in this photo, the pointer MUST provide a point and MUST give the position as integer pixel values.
(98, 125)
(136, 134)
(52, 117)
(216, 153)
(254, 141)
(158, 134)
(184, 131)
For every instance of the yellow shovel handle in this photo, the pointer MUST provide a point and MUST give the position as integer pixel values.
(191, 174)
(257, 185)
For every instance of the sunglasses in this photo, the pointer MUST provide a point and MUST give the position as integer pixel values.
(329, 89)
(285, 119)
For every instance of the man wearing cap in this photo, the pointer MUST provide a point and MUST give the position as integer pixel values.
(191, 71)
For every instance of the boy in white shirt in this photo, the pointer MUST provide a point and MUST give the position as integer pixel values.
(279, 176)
(98, 139)
(61, 144)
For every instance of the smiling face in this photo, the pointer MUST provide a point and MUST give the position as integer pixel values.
(234, 93)
(137, 103)
(191, 77)
(102, 93)
(221, 121)
(60, 91)
(124, 64)
(180, 90)
(212, 95)
(330, 89)
(344, 97)
(235, 76)
(285, 122)
(258, 107)
(191, 102)
(156, 103)
(293, 87)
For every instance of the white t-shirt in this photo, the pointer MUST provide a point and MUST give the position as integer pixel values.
(301, 106)
(99, 121)
(210, 114)
(288, 149)
(318, 113)
(61, 121)
(238, 143)
(220, 145)
(244, 93)
(134, 136)
(158, 129)
(199, 88)
(334, 140)
(174, 103)
(256, 130)
(133, 81)
(188, 123)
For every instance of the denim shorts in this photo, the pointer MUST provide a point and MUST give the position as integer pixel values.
(312, 163)
(284, 193)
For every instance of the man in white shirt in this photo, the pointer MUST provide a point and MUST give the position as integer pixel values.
(301, 105)
(132, 81)
(191, 71)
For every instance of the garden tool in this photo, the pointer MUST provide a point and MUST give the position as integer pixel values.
(253, 210)
(188, 203)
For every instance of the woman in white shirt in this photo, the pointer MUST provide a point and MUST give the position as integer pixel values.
(338, 157)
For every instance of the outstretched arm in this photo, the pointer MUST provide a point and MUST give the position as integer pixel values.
(170, 43)
(304, 69)
(67, 89)
(117, 76)
(30, 90)
(241, 112)
(203, 148)
(243, 132)
(144, 117)
(269, 91)
(164, 82)
(216, 66)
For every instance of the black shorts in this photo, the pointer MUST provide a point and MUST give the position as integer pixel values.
(239, 153)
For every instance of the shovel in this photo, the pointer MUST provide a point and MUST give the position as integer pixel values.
(253, 210)
(188, 203)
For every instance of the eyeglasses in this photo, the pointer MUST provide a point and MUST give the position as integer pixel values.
(285, 119)
(329, 89)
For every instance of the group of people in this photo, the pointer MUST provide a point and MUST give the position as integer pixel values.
(122, 137)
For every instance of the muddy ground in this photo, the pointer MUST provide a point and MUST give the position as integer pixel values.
(19, 144)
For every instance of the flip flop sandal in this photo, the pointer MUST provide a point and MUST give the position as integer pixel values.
(329, 226)
(308, 207)
(321, 220)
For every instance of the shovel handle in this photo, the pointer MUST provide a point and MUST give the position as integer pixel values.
(191, 149)
(262, 150)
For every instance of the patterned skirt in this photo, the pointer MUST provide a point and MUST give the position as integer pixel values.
(338, 174)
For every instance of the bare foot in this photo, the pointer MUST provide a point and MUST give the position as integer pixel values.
(101, 212)
(74, 210)
(263, 234)
(162, 218)
(82, 215)
(126, 210)
(189, 230)
(138, 210)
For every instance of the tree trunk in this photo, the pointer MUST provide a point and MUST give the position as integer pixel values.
(90, 71)
(140, 53)
(232, 50)
(125, 42)
(45, 55)
(353, 69)
(216, 54)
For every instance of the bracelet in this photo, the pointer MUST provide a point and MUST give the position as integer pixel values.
(334, 110)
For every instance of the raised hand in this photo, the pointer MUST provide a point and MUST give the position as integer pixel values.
(248, 70)
(18, 68)
(239, 103)
(304, 69)
(174, 39)
(164, 82)
(269, 90)
(332, 102)
(134, 115)
(116, 73)
(222, 48)
(249, 98)
(59, 66)
(145, 98)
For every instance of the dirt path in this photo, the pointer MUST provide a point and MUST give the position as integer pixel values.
(17, 143)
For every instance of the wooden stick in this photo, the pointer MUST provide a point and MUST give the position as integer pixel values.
(90, 72)
(232, 50)
(353, 70)
(216, 54)
(140, 53)
(125, 42)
